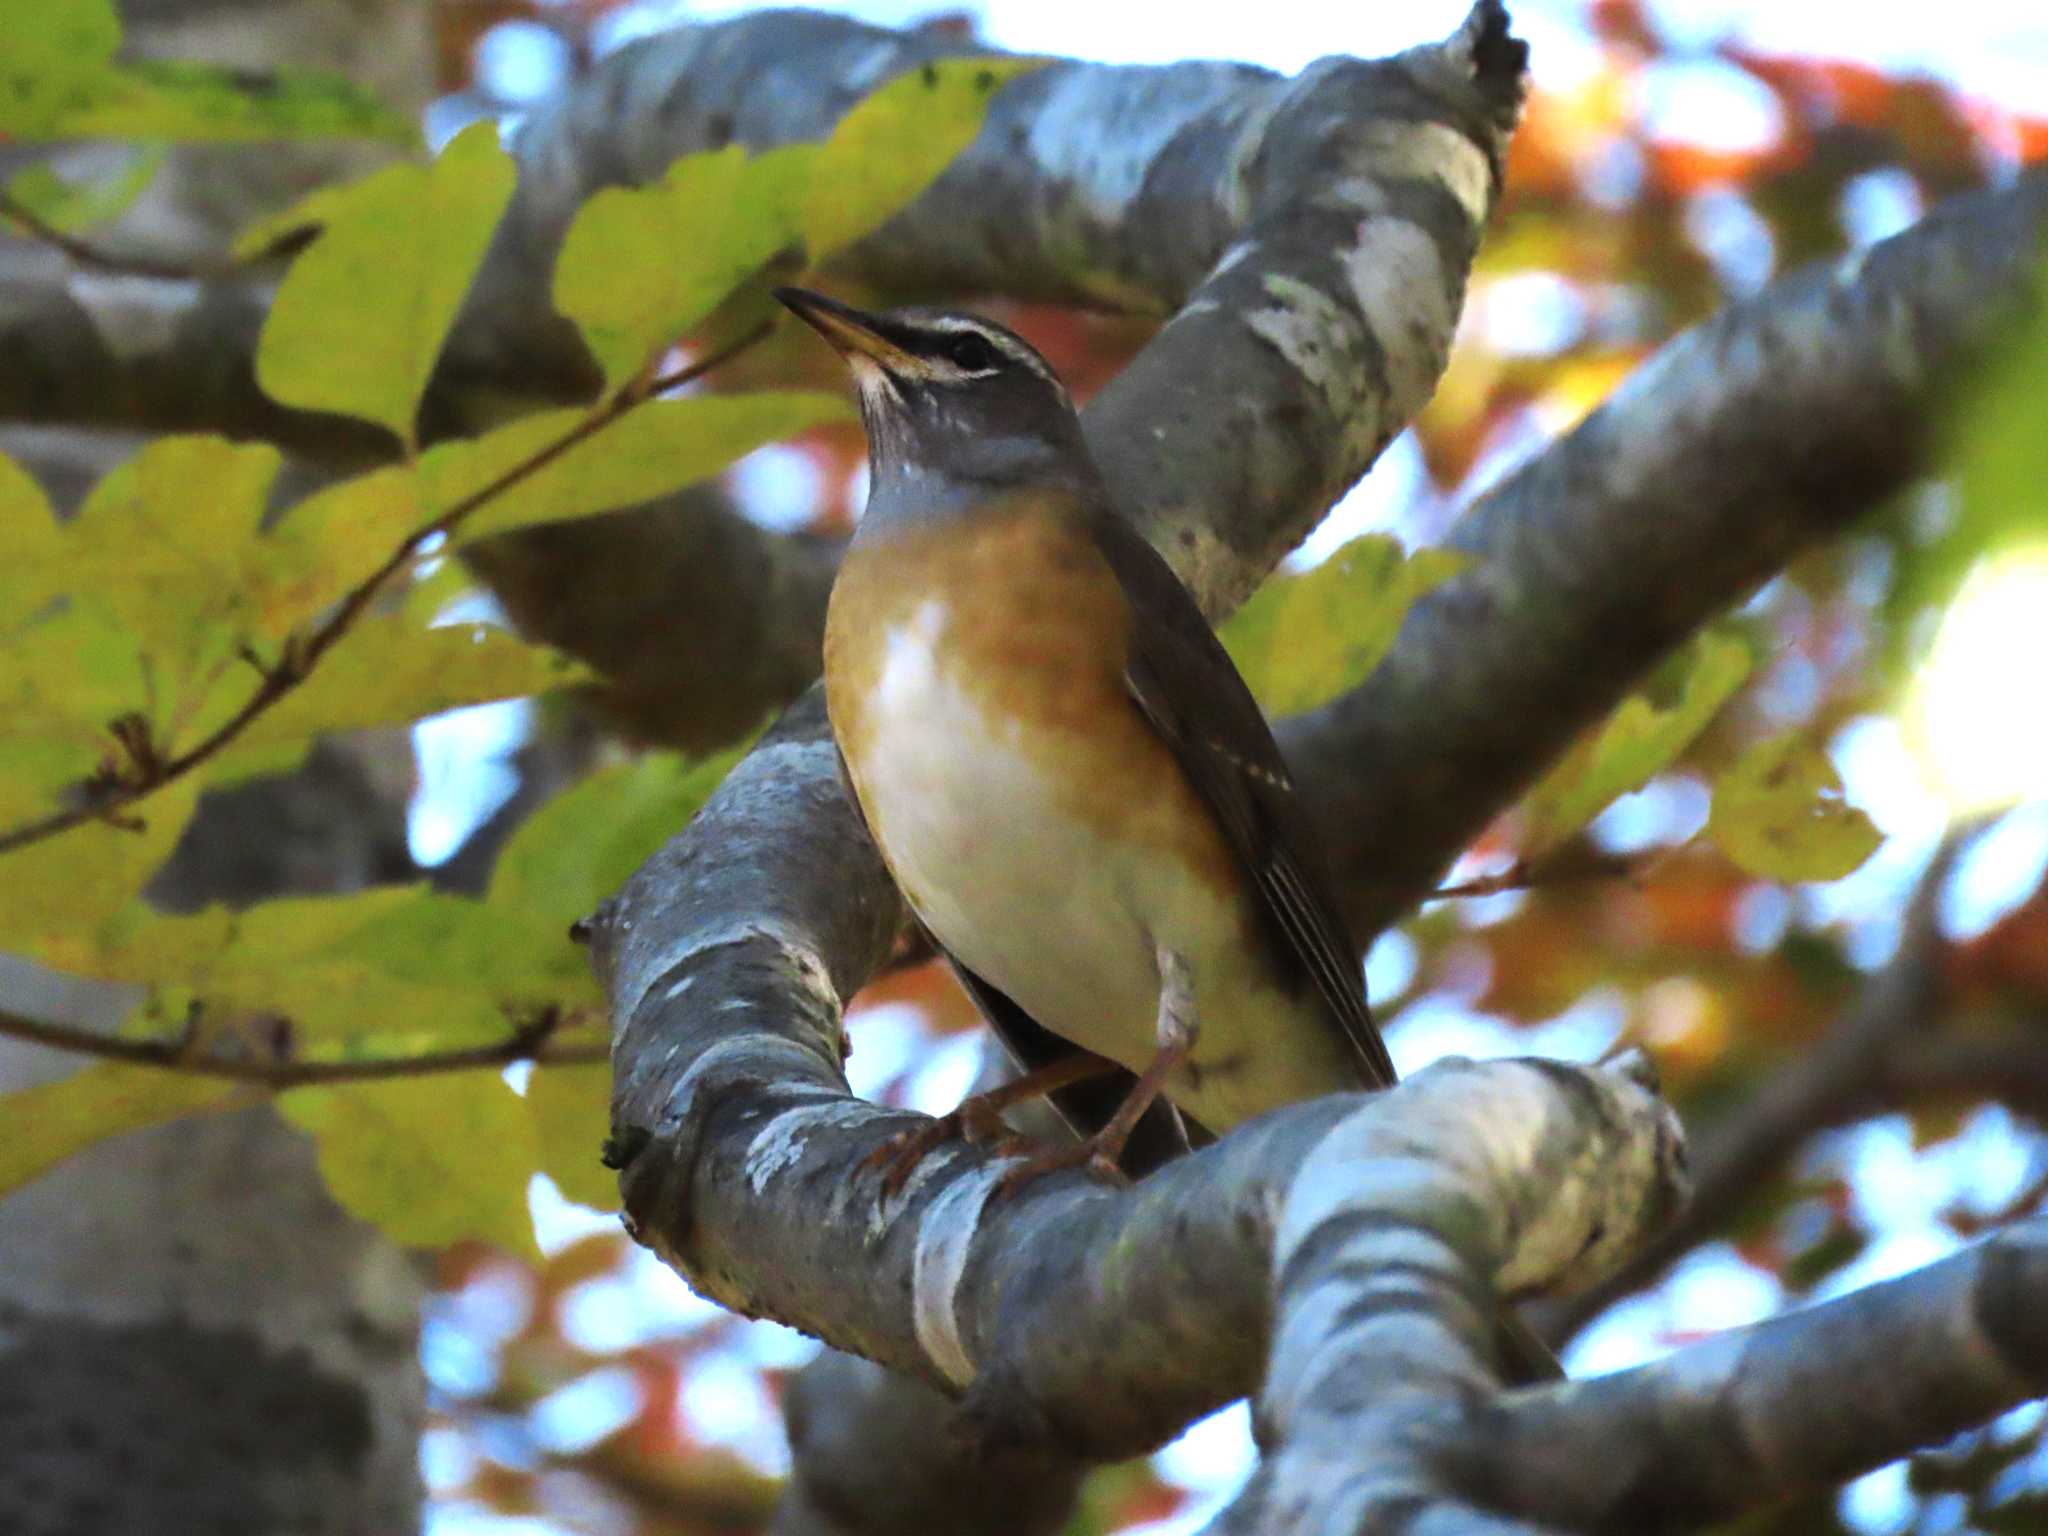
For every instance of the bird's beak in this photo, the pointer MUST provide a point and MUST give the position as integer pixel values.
(854, 334)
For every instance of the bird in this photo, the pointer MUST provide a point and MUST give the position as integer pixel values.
(1063, 770)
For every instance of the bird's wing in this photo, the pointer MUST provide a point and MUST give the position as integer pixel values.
(1186, 685)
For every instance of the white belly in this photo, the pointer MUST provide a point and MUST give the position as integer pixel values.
(1066, 923)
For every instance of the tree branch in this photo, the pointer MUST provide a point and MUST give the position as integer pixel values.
(740, 1147)
(1731, 1423)
(1746, 440)
(1852, 1072)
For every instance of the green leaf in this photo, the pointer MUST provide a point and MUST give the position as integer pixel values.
(59, 80)
(62, 679)
(894, 144)
(1302, 640)
(583, 844)
(1999, 460)
(572, 1116)
(28, 532)
(206, 103)
(1779, 813)
(361, 316)
(53, 1121)
(335, 539)
(652, 450)
(429, 1160)
(389, 671)
(166, 541)
(55, 894)
(53, 53)
(395, 970)
(75, 205)
(639, 265)
(1637, 741)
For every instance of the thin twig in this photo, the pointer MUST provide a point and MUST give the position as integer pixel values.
(86, 254)
(1523, 876)
(175, 1055)
(103, 797)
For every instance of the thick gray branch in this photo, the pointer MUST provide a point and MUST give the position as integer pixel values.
(1750, 438)
(1791, 1404)
(743, 1154)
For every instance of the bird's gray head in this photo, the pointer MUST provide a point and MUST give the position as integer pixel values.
(950, 399)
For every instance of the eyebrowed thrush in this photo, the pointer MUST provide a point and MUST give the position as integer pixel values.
(1062, 768)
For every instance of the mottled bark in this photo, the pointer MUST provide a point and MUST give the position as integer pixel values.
(1745, 441)
(727, 962)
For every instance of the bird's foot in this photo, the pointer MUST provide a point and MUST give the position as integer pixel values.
(978, 1121)
(1097, 1155)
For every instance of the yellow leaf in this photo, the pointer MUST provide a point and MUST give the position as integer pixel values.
(53, 1121)
(895, 143)
(76, 205)
(639, 265)
(51, 53)
(28, 532)
(1779, 813)
(55, 894)
(652, 450)
(581, 846)
(429, 1160)
(388, 671)
(572, 1116)
(1304, 639)
(165, 542)
(331, 542)
(1635, 743)
(360, 318)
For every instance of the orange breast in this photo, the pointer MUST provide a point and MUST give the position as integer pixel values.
(1033, 628)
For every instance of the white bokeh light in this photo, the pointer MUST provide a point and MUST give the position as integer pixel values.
(1984, 746)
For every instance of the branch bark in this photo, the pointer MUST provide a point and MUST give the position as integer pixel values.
(1748, 439)
(1730, 1424)
(739, 1141)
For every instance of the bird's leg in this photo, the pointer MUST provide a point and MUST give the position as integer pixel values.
(1101, 1153)
(978, 1118)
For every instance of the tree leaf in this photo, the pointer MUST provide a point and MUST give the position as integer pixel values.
(429, 1160)
(59, 80)
(207, 103)
(53, 1121)
(55, 894)
(1778, 813)
(1637, 742)
(361, 316)
(639, 265)
(652, 450)
(572, 1116)
(389, 671)
(582, 845)
(165, 542)
(78, 205)
(332, 541)
(1304, 639)
(894, 144)
(52, 53)
(28, 532)
(62, 679)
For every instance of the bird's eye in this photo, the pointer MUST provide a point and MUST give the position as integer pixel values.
(970, 353)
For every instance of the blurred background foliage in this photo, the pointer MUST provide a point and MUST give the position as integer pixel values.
(1843, 782)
